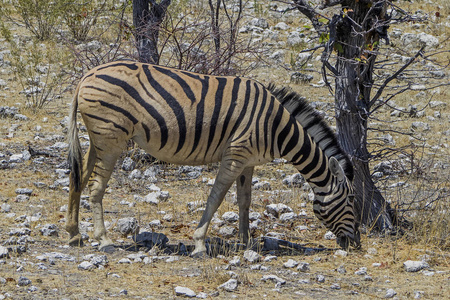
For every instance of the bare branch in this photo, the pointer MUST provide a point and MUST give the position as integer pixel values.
(395, 75)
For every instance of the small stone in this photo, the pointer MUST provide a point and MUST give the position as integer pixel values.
(263, 186)
(184, 291)
(5, 208)
(236, 261)
(372, 251)
(135, 174)
(227, 232)
(155, 223)
(414, 266)
(428, 273)
(128, 164)
(252, 256)
(125, 261)
(274, 278)
(295, 180)
(278, 209)
(335, 286)
(230, 216)
(24, 191)
(303, 266)
(390, 293)
(361, 271)
(281, 26)
(49, 230)
(23, 281)
(418, 294)
(290, 264)
(269, 258)
(99, 260)
(229, 286)
(341, 270)
(20, 232)
(320, 278)
(288, 217)
(253, 216)
(86, 265)
(3, 252)
(341, 253)
(128, 226)
(329, 236)
(152, 198)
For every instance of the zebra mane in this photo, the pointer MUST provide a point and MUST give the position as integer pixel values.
(314, 124)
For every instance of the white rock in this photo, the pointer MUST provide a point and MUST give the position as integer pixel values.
(184, 291)
(329, 236)
(414, 266)
(227, 231)
(236, 261)
(361, 271)
(269, 258)
(263, 185)
(341, 253)
(86, 265)
(152, 198)
(290, 264)
(229, 286)
(230, 216)
(252, 256)
(390, 293)
(128, 226)
(281, 26)
(3, 252)
(303, 266)
(277, 209)
(274, 278)
(5, 208)
(289, 216)
(125, 261)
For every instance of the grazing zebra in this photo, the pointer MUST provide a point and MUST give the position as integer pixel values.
(186, 118)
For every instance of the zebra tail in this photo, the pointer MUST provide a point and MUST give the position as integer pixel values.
(74, 156)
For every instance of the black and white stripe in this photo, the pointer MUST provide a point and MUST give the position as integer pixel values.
(187, 118)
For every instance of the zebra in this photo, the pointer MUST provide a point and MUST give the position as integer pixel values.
(187, 118)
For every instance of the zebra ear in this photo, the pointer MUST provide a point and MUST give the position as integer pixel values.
(336, 169)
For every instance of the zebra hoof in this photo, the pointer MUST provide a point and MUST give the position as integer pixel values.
(107, 249)
(76, 241)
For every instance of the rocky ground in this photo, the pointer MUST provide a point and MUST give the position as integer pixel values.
(152, 208)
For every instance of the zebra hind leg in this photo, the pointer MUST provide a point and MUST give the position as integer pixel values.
(74, 199)
(244, 197)
(104, 166)
(229, 170)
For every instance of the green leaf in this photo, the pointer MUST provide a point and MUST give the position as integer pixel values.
(324, 37)
(307, 26)
(323, 20)
(338, 47)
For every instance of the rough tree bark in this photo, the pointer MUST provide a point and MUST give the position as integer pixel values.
(147, 16)
(355, 35)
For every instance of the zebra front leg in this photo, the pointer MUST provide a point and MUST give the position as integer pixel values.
(228, 172)
(244, 198)
(74, 199)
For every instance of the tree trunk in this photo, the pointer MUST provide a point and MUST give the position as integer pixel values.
(147, 16)
(354, 68)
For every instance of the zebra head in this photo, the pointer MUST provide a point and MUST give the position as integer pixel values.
(336, 208)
